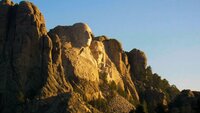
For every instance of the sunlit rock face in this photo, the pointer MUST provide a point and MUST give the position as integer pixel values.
(117, 58)
(105, 66)
(80, 67)
(76, 40)
(78, 35)
(87, 63)
(82, 35)
(98, 52)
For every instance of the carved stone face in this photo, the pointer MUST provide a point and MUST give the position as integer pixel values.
(97, 49)
(82, 35)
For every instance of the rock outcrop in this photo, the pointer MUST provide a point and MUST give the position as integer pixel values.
(80, 66)
(155, 93)
(88, 65)
(105, 65)
(138, 62)
(115, 53)
(187, 102)
(26, 67)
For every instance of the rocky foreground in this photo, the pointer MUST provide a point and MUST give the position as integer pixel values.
(69, 70)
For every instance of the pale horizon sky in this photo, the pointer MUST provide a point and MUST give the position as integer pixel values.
(168, 31)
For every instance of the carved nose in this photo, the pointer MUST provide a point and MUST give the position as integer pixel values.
(88, 35)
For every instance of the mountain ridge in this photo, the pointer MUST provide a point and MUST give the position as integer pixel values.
(68, 69)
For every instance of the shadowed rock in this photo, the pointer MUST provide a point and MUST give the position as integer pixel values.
(26, 57)
(187, 102)
(138, 62)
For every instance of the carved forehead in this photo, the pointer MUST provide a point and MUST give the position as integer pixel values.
(82, 27)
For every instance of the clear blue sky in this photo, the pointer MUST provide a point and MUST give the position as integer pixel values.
(168, 31)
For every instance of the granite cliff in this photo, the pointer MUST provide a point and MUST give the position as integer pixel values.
(69, 70)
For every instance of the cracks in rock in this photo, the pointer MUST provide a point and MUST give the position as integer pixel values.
(43, 73)
(42, 55)
(12, 21)
(10, 37)
(11, 77)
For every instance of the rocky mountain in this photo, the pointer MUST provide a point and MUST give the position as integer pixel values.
(69, 70)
